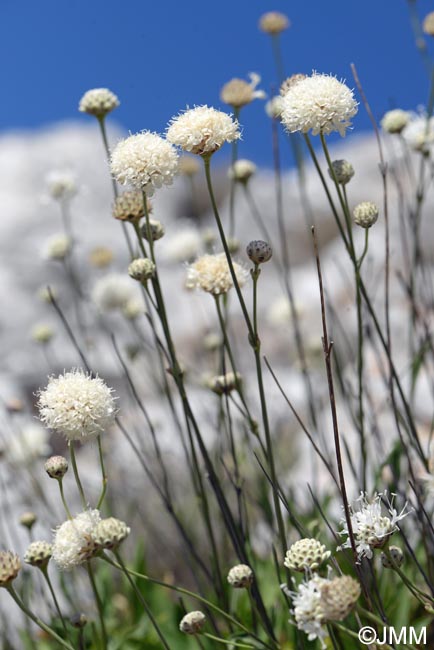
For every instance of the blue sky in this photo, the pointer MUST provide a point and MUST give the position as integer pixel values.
(160, 55)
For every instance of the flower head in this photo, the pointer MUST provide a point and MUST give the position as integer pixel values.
(290, 81)
(319, 103)
(240, 576)
(110, 532)
(274, 107)
(365, 214)
(61, 185)
(100, 257)
(77, 405)
(28, 519)
(242, 170)
(42, 333)
(38, 554)
(211, 273)
(273, 22)
(98, 102)
(306, 554)
(58, 247)
(56, 467)
(238, 93)
(155, 229)
(192, 623)
(371, 527)
(395, 121)
(141, 269)
(129, 206)
(259, 251)
(27, 445)
(184, 245)
(419, 133)
(73, 541)
(225, 384)
(202, 130)
(342, 170)
(188, 166)
(394, 558)
(10, 565)
(145, 161)
(428, 24)
(113, 291)
(307, 609)
(338, 597)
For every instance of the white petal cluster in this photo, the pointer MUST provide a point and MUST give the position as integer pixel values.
(113, 292)
(395, 121)
(26, 446)
(145, 161)
(307, 609)
(419, 133)
(73, 540)
(371, 527)
(98, 102)
(211, 273)
(320, 104)
(61, 185)
(77, 405)
(58, 247)
(202, 130)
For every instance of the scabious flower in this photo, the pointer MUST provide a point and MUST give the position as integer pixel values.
(342, 170)
(110, 532)
(307, 609)
(395, 121)
(77, 405)
(61, 185)
(274, 107)
(428, 24)
(192, 623)
(211, 273)
(10, 565)
(129, 206)
(113, 291)
(155, 229)
(238, 93)
(28, 519)
(56, 467)
(338, 597)
(396, 558)
(42, 333)
(365, 214)
(259, 251)
(98, 102)
(371, 527)
(225, 384)
(273, 22)
(141, 269)
(145, 161)
(132, 309)
(319, 103)
(419, 133)
(240, 576)
(242, 170)
(58, 247)
(38, 554)
(73, 541)
(26, 446)
(202, 130)
(306, 554)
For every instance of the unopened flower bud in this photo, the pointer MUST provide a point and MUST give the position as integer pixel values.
(395, 121)
(365, 214)
(192, 623)
(225, 384)
(141, 269)
(305, 554)
(233, 245)
(156, 229)
(28, 519)
(129, 206)
(259, 251)
(56, 467)
(338, 597)
(343, 171)
(273, 22)
(396, 558)
(42, 333)
(10, 565)
(38, 554)
(98, 102)
(242, 170)
(109, 533)
(240, 576)
(78, 620)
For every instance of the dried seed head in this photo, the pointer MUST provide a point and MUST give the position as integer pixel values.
(10, 565)
(238, 93)
(141, 269)
(396, 558)
(242, 170)
(306, 554)
(38, 554)
(259, 251)
(365, 214)
(290, 81)
(98, 102)
(109, 533)
(273, 22)
(343, 171)
(428, 24)
(28, 519)
(192, 623)
(188, 166)
(100, 257)
(240, 576)
(338, 597)
(395, 121)
(56, 467)
(156, 228)
(42, 333)
(225, 384)
(129, 206)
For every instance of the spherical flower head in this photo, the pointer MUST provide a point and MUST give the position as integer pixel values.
(370, 526)
(259, 251)
(225, 384)
(365, 214)
(113, 291)
(306, 554)
(320, 104)
(145, 161)
(307, 609)
(28, 519)
(211, 273)
(109, 533)
(58, 247)
(38, 554)
(240, 576)
(28, 445)
(192, 623)
(133, 309)
(98, 102)
(42, 333)
(10, 565)
(100, 257)
(395, 121)
(396, 558)
(242, 170)
(77, 405)
(419, 133)
(129, 206)
(338, 597)
(155, 228)
(274, 107)
(342, 170)
(290, 81)
(56, 467)
(238, 93)
(188, 166)
(141, 269)
(61, 185)
(428, 24)
(73, 541)
(202, 130)
(273, 22)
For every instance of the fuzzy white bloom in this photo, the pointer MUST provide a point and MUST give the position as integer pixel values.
(307, 609)
(98, 102)
(27, 445)
(113, 291)
(202, 130)
(395, 121)
(77, 405)
(42, 333)
(61, 185)
(319, 103)
(73, 541)
(58, 247)
(132, 309)
(419, 133)
(183, 246)
(280, 312)
(211, 273)
(371, 527)
(274, 107)
(145, 161)
(242, 170)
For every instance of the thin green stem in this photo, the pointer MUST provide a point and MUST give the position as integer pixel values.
(103, 473)
(99, 605)
(62, 496)
(44, 571)
(231, 642)
(76, 474)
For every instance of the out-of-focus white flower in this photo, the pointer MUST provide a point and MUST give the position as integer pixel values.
(183, 246)
(27, 445)
(211, 273)
(61, 185)
(77, 405)
(274, 107)
(395, 121)
(274, 22)
(145, 160)
(98, 102)
(202, 130)
(280, 313)
(42, 333)
(419, 133)
(192, 623)
(58, 247)
(307, 609)
(371, 527)
(320, 104)
(242, 170)
(73, 541)
(238, 93)
(113, 291)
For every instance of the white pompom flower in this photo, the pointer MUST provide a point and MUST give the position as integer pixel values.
(202, 130)
(77, 405)
(73, 541)
(98, 102)
(211, 273)
(320, 104)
